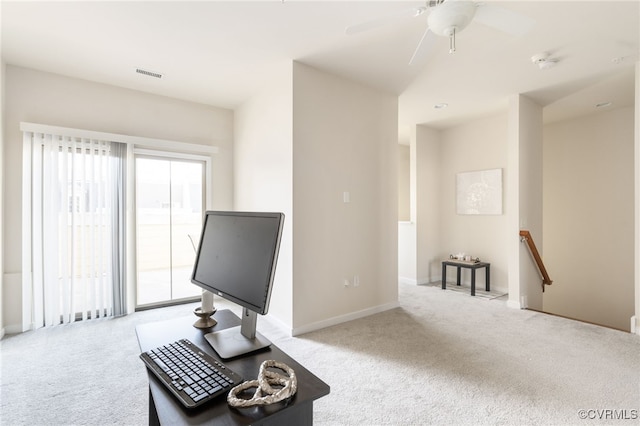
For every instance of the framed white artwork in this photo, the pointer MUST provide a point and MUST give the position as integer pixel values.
(479, 192)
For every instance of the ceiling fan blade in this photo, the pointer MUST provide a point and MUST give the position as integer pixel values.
(504, 20)
(384, 20)
(424, 47)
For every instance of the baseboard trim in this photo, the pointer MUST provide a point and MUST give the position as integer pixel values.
(413, 281)
(13, 329)
(297, 331)
(513, 304)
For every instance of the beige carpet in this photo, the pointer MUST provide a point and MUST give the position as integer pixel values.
(441, 358)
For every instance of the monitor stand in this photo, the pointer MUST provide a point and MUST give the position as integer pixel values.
(240, 340)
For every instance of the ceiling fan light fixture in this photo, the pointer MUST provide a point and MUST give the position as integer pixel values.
(451, 17)
(543, 61)
(546, 64)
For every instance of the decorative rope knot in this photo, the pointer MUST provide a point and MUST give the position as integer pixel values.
(265, 394)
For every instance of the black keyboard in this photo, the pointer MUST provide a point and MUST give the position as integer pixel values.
(192, 375)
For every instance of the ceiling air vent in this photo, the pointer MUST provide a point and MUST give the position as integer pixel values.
(148, 73)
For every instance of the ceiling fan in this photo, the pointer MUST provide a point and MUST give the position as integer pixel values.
(448, 17)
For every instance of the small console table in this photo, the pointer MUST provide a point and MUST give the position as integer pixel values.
(470, 265)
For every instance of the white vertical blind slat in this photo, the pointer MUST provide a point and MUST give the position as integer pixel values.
(97, 258)
(83, 253)
(70, 228)
(90, 217)
(37, 287)
(105, 230)
(63, 225)
(72, 219)
(27, 275)
(50, 232)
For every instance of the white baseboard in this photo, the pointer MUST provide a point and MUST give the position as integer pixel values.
(513, 304)
(634, 325)
(343, 318)
(280, 325)
(409, 281)
(12, 329)
(413, 281)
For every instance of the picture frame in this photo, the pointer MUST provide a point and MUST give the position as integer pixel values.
(479, 192)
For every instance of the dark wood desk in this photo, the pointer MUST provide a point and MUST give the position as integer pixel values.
(165, 409)
(469, 265)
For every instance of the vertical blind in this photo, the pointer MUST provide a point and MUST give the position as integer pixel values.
(76, 232)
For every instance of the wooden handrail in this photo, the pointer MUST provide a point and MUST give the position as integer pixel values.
(526, 236)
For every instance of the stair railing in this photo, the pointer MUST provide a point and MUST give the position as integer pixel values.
(525, 236)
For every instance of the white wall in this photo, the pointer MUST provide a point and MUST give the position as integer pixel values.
(418, 238)
(345, 140)
(427, 196)
(2, 143)
(46, 98)
(636, 319)
(477, 145)
(408, 230)
(437, 230)
(407, 253)
(263, 174)
(524, 209)
(589, 217)
(581, 163)
(406, 227)
(404, 213)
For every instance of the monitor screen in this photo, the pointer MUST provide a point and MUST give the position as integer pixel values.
(237, 256)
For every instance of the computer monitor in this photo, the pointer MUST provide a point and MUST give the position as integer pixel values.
(236, 259)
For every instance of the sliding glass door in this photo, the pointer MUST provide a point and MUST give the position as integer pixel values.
(169, 209)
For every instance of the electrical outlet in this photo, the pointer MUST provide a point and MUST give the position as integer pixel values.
(356, 280)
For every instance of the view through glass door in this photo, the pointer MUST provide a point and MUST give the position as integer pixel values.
(169, 211)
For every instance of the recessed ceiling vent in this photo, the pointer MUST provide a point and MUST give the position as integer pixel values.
(148, 73)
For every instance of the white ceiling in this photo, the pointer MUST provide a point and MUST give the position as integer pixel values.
(221, 52)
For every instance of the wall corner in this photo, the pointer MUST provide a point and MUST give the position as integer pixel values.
(637, 200)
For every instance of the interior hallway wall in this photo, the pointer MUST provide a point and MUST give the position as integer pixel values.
(406, 224)
(525, 201)
(2, 98)
(635, 325)
(427, 196)
(404, 214)
(345, 138)
(323, 149)
(263, 174)
(477, 145)
(436, 229)
(588, 217)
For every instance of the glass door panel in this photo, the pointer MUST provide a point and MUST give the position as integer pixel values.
(186, 224)
(169, 210)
